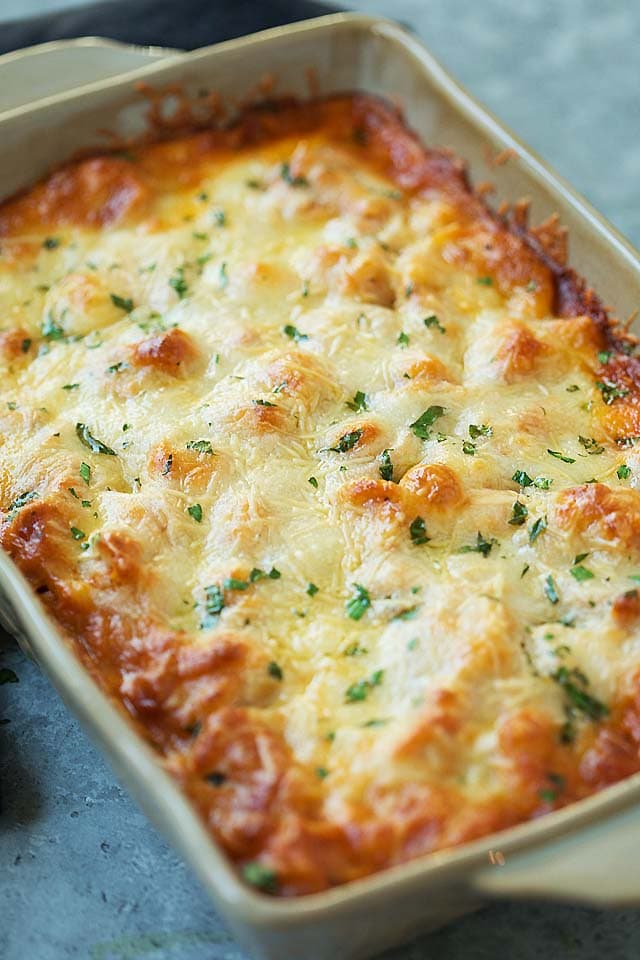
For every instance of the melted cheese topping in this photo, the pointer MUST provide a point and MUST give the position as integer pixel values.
(324, 493)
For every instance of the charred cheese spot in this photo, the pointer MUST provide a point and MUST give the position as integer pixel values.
(610, 517)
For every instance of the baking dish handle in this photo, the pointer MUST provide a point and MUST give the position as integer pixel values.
(598, 864)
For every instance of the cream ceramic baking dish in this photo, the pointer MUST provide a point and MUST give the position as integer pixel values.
(579, 853)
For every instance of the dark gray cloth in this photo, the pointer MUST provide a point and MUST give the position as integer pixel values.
(185, 24)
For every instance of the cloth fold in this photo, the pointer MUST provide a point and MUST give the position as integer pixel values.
(186, 24)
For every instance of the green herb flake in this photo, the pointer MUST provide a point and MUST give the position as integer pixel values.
(178, 283)
(51, 329)
(275, 670)
(604, 356)
(215, 778)
(560, 456)
(20, 502)
(581, 573)
(346, 442)
(418, 532)
(485, 281)
(314, 483)
(290, 179)
(610, 391)
(312, 589)
(420, 427)
(96, 446)
(200, 446)
(591, 446)
(433, 321)
(122, 303)
(574, 684)
(195, 511)
(550, 590)
(220, 218)
(572, 388)
(359, 603)
(260, 877)
(386, 466)
(213, 605)
(482, 430)
(522, 479)
(264, 403)
(358, 403)
(78, 534)
(25, 346)
(403, 339)
(294, 334)
(468, 448)
(519, 514)
(223, 276)
(482, 546)
(537, 527)
(70, 386)
(623, 472)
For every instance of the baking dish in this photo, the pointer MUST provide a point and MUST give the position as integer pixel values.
(47, 69)
(347, 52)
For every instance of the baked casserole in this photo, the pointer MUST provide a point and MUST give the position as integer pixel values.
(328, 473)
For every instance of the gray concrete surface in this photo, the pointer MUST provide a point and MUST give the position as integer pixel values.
(82, 874)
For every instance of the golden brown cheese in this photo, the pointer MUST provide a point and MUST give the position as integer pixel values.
(330, 478)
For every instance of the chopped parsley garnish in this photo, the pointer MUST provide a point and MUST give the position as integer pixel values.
(322, 773)
(623, 472)
(117, 367)
(359, 603)
(346, 442)
(166, 467)
(537, 527)
(223, 276)
(574, 684)
(78, 534)
(522, 479)
(483, 430)
(312, 589)
(355, 650)
(20, 502)
(560, 456)
(220, 218)
(213, 604)
(264, 403)
(519, 514)
(420, 427)
(358, 403)
(51, 243)
(550, 590)
(482, 546)
(96, 446)
(485, 281)
(85, 472)
(550, 794)
(468, 448)
(293, 181)
(386, 466)
(604, 356)
(360, 690)
(433, 321)
(294, 334)
(581, 573)
(403, 339)
(215, 778)
(610, 391)
(572, 388)
(195, 511)
(261, 877)
(178, 283)
(25, 345)
(591, 446)
(314, 483)
(418, 532)
(275, 670)
(122, 303)
(409, 614)
(200, 446)
(51, 330)
(70, 386)
(231, 583)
